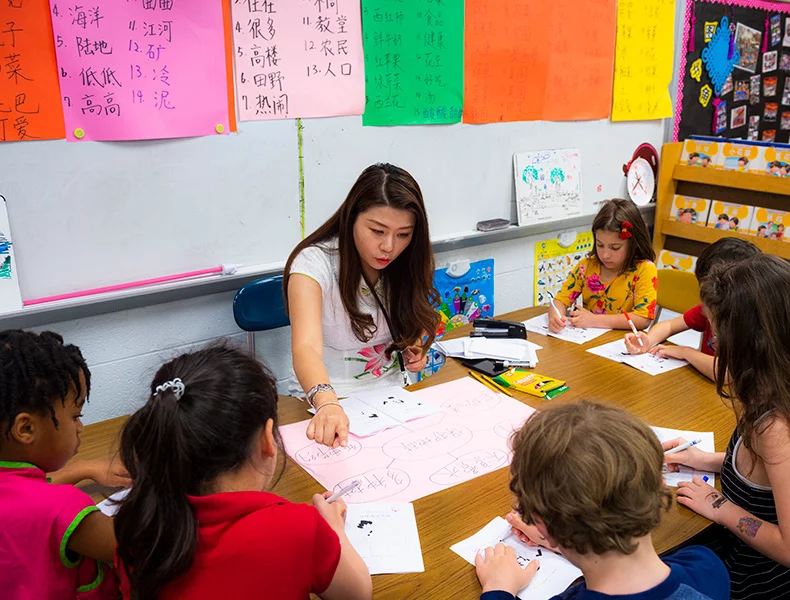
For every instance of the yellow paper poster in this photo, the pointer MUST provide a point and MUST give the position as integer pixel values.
(643, 60)
(553, 264)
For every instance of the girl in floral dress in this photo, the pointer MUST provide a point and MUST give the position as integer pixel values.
(617, 277)
(358, 289)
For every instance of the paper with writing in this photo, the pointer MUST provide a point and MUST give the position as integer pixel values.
(385, 536)
(469, 438)
(647, 363)
(643, 60)
(29, 95)
(141, 69)
(554, 575)
(540, 325)
(689, 338)
(413, 61)
(298, 59)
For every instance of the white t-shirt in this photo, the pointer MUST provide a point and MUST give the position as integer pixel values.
(352, 365)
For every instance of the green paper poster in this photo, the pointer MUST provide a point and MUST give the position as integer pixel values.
(414, 65)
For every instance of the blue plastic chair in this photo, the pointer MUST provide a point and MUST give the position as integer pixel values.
(260, 306)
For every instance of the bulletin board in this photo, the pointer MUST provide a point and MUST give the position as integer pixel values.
(754, 102)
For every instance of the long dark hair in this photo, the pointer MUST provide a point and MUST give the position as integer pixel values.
(750, 313)
(611, 218)
(175, 447)
(409, 295)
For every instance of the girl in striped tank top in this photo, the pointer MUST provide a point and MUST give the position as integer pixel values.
(749, 308)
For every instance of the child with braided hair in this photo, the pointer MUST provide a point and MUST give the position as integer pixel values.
(54, 541)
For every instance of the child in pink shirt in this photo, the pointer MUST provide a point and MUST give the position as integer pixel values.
(54, 542)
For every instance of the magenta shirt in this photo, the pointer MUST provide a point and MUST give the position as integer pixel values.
(36, 520)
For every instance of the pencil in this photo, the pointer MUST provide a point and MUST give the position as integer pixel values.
(493, 385)
(484, 381)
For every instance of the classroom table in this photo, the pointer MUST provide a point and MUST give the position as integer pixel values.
(680, 399)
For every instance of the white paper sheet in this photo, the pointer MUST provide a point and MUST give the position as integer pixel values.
(685, 474)
(689, 338)
(384, 408)
(647, 363)
(109, 506)
(553, 577)
(385, 535)
(540, 325)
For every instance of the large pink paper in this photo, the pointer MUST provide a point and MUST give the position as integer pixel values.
(141, 69)
(298, 58)
(469, 439)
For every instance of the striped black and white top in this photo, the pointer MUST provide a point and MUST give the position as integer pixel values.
(753, 575)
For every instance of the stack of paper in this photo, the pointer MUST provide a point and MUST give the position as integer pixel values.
(647, 363)
(515, 351)
(385, 535)
(540, 324)
(554, 575)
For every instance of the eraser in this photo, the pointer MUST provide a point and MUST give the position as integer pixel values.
(493, 224)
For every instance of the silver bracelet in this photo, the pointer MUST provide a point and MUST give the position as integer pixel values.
(327, 404)
(317, 389)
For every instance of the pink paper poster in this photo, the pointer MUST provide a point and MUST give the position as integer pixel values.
(468, 439)
(298, 58)
(141, 69)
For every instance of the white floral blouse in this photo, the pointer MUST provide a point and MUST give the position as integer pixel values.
(352, 365)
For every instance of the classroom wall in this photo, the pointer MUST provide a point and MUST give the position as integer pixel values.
(124, 349)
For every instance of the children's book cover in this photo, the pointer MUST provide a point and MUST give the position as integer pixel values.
(730, 217)
(769, 223)
(700, 153)
(687, 209)
(744, 158)
(676, 260)
(777, 161)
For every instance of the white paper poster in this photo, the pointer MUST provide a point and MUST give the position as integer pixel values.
(10, 298)
(548, 185)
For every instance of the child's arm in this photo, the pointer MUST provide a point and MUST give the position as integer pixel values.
(107, 472)
(571, 289)
(657, 334)
(94, 537)
(693, 457)
(352, 578)
(771, 540)
(699, 360)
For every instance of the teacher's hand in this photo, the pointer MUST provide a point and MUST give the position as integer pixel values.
(414, 358)
(329, 426)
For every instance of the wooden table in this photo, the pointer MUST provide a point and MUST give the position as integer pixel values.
(680, 399)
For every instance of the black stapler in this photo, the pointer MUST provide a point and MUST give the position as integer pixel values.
(494, 328)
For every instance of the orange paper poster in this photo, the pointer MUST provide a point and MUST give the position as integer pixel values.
(30, 106)
(527, 60)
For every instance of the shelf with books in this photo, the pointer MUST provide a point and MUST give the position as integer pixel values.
(728, 192)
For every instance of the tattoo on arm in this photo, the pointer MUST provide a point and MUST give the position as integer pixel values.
(749, 526)
(716, 499)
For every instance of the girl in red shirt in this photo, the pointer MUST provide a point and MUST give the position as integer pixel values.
(197, 523)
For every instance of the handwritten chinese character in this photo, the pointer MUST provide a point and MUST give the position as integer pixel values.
(14, 69)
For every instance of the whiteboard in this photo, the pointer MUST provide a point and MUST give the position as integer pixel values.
(465, 171)
(91, 214)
